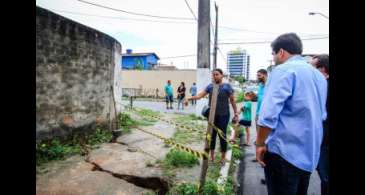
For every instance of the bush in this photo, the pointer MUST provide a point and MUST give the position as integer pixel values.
(177, 158)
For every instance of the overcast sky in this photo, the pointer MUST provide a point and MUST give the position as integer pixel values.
(260, 20)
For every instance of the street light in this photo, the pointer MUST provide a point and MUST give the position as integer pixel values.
(314, 13)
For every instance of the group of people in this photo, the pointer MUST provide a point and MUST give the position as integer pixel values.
(291, 117)
(181, 90)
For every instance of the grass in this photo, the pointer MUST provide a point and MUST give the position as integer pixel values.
(59, 149)
(178, 158)
(147, 114)
(185, 136)
(210, 188)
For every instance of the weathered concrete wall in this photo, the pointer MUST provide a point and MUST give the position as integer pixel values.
(152, 79)
(76, 67)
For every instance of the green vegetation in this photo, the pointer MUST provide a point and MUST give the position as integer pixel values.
(185, 189)
(240, 97)
(240, 79)
(178, 158)
(210, 188)
(185, 136)
(59, 149)
(148, 115)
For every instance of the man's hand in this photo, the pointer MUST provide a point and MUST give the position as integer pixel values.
(186, 102)
(235, 118)
(260, 152)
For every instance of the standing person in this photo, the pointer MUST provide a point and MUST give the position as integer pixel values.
(181, 95)
(261, 77)
(221, 118)
(294, 106)
(193, 91)
(321, 62)
(245, 118)
(156, 93)
(169, 94)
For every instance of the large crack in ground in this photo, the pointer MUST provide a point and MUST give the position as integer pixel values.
(156, 184)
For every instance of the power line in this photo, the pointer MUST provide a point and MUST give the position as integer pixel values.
(262, 42)
(182, 56)
(134, 13)
(260, 32)
(123, 18)
(191, 10)
(303, 37)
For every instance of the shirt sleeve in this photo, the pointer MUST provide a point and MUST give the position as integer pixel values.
(277, 91)
(209, 88)
(229, 89)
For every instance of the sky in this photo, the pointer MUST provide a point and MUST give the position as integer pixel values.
(251, 20)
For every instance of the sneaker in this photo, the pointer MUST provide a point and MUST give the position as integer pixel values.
(263, 181)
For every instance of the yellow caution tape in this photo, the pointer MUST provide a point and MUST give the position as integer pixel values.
(198, 154)
(219, 131)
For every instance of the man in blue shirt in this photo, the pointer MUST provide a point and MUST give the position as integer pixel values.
(169, 95)
(261, 77)
(193, 91)
(290, 119)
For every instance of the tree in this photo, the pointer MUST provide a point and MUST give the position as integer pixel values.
(240, 79)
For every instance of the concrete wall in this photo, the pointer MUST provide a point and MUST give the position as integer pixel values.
(152, 79)
(75, 69)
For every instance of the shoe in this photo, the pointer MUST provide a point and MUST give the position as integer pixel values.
(254, 160)
(263, 181)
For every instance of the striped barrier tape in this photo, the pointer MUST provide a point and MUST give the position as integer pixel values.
(219, 131)
(198, 154)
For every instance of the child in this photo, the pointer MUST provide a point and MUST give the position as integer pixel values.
(245, 119)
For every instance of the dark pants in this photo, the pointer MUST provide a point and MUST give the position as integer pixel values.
(282, 178)
(221, 122)
(322, 168)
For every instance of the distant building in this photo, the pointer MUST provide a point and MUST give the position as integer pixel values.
(238, 62)
(145, 61)
(164, 67)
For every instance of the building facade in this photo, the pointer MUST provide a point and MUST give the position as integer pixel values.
(143, 61)
(238, 62)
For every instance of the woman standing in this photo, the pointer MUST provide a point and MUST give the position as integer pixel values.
(181, 95)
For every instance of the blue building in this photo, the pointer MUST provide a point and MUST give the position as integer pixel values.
(145, 61)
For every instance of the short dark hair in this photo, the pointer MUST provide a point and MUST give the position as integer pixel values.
(218, 70)
(323, 62)
(262, 71)
(289, 42)
(183, 83)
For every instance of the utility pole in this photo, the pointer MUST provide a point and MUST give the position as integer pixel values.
(204, 34)
(203, 72)
(215, 37)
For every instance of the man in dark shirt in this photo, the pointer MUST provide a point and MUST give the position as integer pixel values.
(321, 62)
(221, 119)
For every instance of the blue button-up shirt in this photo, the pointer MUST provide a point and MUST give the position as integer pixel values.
(294, 107)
